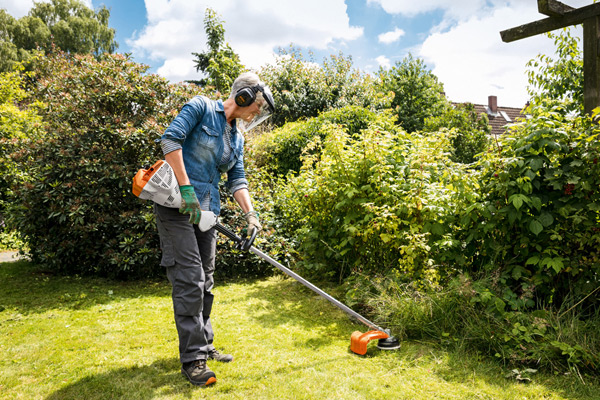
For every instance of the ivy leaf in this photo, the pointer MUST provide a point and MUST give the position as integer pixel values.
(500, 304)
(556, 264)
(576, 163)
(536, 163)
(437, 229)
(536, 202)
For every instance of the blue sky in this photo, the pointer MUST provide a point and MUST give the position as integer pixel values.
(458, 39)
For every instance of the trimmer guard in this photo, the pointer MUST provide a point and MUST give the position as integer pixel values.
(359, 340)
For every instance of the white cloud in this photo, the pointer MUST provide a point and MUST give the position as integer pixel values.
(391, 37)
(383, 61)
(466, 52)
(473, 62)
(16, 8)
(410, 8)
(176, 29)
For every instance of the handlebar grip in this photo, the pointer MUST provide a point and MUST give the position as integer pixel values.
(220, 228)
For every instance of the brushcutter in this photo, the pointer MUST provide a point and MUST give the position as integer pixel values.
(158, 184)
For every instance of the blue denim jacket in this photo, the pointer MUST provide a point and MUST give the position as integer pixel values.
(198, 131)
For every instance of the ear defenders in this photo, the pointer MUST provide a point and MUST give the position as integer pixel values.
(246, 96)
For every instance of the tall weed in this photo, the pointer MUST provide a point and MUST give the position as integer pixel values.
(465, 315)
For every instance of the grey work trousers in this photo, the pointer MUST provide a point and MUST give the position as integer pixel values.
(189, 258)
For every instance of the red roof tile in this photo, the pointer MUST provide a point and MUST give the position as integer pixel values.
(502, 117)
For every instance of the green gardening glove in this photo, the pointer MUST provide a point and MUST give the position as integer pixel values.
(190, 204)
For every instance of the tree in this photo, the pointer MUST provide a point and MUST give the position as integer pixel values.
(220, 63)
(67, 24)
(417, 92)
(303, 89)
(471, 131)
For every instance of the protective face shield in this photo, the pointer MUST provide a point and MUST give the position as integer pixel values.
(249, 95)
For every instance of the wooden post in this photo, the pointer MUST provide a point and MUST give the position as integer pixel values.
(591, 64)
(560, 16)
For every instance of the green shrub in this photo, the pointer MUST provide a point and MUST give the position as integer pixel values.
(280, 150)
(272, 240)
(535, 228)
(470, 131)
(385, 203)
(74, 207)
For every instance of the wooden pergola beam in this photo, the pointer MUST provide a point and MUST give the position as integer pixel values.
(591, 64)
(573, 17)
(553, 8)
(561, 16)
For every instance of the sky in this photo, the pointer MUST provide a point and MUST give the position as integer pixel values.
(459, 40)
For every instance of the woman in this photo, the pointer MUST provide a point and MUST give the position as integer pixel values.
(201, 143)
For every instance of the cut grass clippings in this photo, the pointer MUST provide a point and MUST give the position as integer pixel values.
(89, 338)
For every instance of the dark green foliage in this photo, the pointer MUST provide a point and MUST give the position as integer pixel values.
(272, 240)
(536, 226)
(74, 207)
(417, 92)
(470, 131)
(66, 24)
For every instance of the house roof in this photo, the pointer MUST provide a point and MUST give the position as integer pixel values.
(498, 116)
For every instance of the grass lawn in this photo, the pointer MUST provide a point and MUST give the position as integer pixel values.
(81, 338)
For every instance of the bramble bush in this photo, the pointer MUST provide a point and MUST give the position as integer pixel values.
(536, 227)
(280, 149)
(385, 202)
(73, 205)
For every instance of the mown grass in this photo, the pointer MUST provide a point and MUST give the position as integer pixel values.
(83, 338)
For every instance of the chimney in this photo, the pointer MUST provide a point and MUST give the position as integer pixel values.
(493, 104)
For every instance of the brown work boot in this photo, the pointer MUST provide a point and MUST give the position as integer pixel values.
(215, 355)
(198, 373)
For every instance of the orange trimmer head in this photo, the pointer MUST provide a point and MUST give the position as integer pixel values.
(359, 341)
